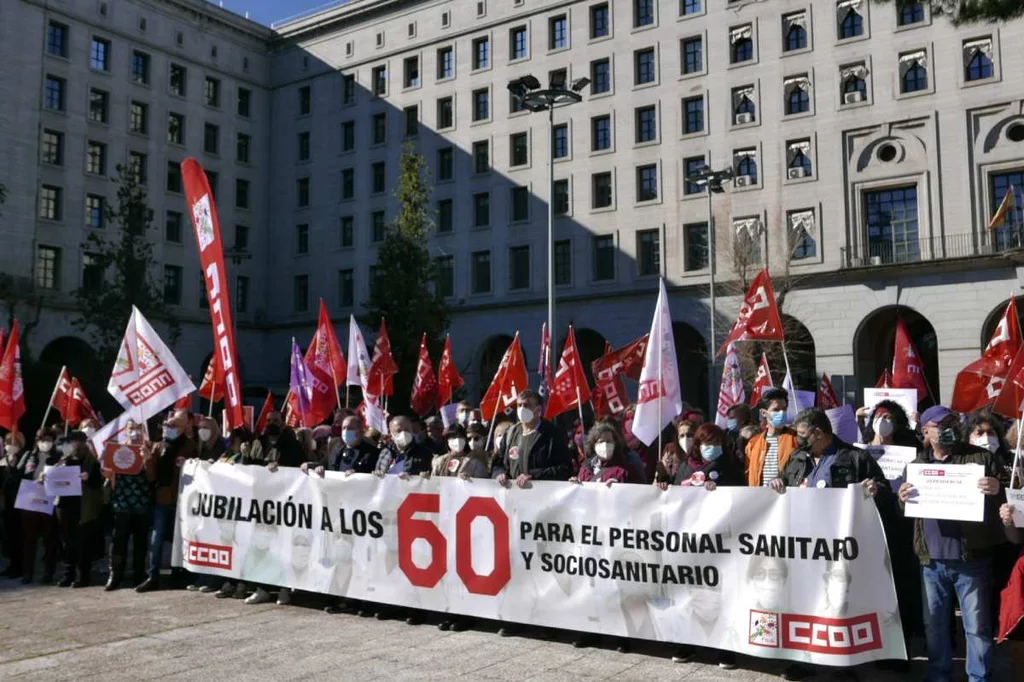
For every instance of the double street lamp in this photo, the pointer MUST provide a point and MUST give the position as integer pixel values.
(534, 98)
(712, 181)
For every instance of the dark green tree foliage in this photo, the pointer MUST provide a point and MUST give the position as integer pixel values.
(125, 256)
(403, 290)
(972, 11)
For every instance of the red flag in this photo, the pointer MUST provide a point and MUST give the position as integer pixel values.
(3, 332)
(12, 389)
(424, 387)
(826, 399)
(509, 381)
(762, 381)
(569, 389)
(884, 381)
(322, 358)
(184, 402)
(980, 382)
(62, 395)
(609, 397)
(212, 387)
(211, 257)
(383, 366)
(268, 407)
(80, 408)
(759, 316)
(448, 378)
(907, 368)
(292, 416)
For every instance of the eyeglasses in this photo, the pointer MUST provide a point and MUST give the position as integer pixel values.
(770, 574)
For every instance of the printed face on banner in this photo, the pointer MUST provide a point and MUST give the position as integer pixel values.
(203, 219)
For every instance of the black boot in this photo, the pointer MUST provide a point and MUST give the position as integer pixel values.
(116, 568)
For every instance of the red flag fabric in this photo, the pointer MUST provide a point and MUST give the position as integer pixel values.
(383, 366)
(322, 360)
(424, 387)
(907, 368)
(448, 378)
(762, 381)
(212, 387)
(884, 381)
(1011, 396)
(292, 417)
(79, 406)
(211, 257)
(759, 315)
(1011, 602)
(184, 402)
(509, 381)
(62, 395)
(268, 407)
(569, 387)
(827, 398)
(979, 383)
(12, 389)
(609, 397)
(3, 332)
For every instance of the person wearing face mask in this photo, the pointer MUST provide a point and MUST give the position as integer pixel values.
(436, 439)
(956, 556)
(668, 465)
(769, 452)
(356, 455)
(462, 412)
(684, 438)
(277, 446)
(501, 426)
(534, 448)
(176, 446)
(736, 417)
(456, 452)
(985, 430)
(477, 462)
(10, 477)
(707, 464)
(606, 458)
(209, 444)
(404, 456)
(887, 424)
(36, 526)
(78, 517)
(132, 502)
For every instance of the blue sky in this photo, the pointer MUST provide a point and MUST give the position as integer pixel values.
(267, 11)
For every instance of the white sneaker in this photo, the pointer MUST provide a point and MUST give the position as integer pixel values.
(260, 596)
(284, 597)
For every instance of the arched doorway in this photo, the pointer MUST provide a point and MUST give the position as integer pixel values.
(590, 345)
(800, 351)
(81, 362)
(692, 357)
(992, 321)
(490, 359)
(874, 342)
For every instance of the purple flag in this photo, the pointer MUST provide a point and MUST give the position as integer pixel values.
(301, 384)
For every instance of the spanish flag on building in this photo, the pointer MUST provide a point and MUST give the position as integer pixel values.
(1006, 207)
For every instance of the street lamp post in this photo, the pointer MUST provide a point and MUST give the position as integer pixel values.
(237, 254)
(712, 181)
(529, 92)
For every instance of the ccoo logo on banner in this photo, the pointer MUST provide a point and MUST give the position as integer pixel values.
(802, 576)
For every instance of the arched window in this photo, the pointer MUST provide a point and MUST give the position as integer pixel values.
(798, 101)
(745, 106)
(911, 13)
(855, 84)
(796, 38)
(747, 166)
(742, 50)
(801, 160)
(915, 78)
(851, 26)
(980, 67)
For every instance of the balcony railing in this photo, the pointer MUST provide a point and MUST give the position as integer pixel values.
(877, 252)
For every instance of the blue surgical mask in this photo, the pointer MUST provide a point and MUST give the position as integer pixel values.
(709, 453)
(730, 424)
(351, 437)
(777, 419)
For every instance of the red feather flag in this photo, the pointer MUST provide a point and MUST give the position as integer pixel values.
(424, 387)
(907, 368)
(12, 388)
(448, 378)
(762, 381)
(759, 315)
(827, 398)
(980, 382)
(510, 380)
(569, 389)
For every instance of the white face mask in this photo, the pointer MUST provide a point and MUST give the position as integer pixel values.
(476, 443)
(463, 417)
(686, 442)
(89, 431)
(68, 449)
(604, 450)
(883, 427)
(204, 434)
(12, 450)
(45, 446)
(987, 441)
(456, 444)
(402, 439)
(526, 415)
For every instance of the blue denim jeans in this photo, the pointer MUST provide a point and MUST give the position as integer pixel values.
(163, 527)
(970, 582)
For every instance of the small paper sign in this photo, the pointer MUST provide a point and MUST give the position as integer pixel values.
(32, 496)
(122, 458)
(63, 481)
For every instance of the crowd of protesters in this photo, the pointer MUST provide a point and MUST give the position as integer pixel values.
(936, 564)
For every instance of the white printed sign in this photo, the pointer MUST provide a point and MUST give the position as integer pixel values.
(63, 481)
(1016, 498)
(32, 496)
(904, 397)
(946, 491)
(893, 459)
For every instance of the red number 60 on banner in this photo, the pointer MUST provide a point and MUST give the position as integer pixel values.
(411, 529)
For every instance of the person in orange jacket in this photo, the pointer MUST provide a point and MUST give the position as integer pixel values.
(769, 451)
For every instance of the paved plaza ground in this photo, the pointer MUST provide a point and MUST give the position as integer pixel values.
(49, 633)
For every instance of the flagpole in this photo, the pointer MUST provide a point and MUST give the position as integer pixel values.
(1016, 456)
(213, 390)
(794, 399)
(661, 379)
(49, 405)
(579, 404)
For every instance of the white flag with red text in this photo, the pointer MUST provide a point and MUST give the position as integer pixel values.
(660, 398)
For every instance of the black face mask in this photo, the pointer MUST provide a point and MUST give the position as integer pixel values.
(947, 436)
(802, 443)
(272, 430)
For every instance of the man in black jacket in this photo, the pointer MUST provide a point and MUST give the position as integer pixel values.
(357, 455)
(956, 556)
(533, 449)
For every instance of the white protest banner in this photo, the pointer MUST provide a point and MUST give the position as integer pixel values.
(802, 576)
(844, 423)
(892, 459)
(32, 496)
(946, 491)
(63, 481)
(904, 397)
(1016, 498)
